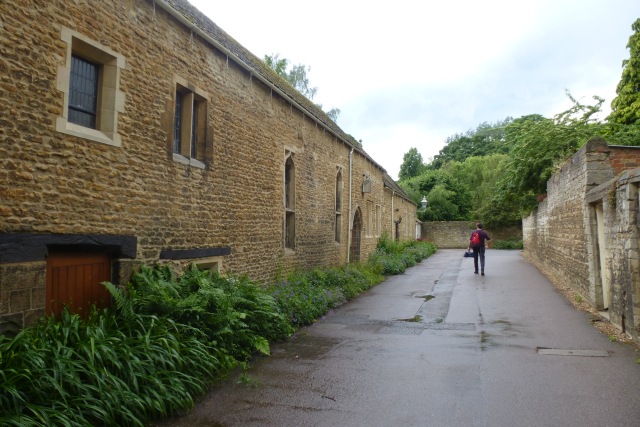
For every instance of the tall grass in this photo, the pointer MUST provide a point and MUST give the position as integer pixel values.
(103, 370)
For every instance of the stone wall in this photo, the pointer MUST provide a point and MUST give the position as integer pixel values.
(456, 234)
(228, 204)
(564, 238)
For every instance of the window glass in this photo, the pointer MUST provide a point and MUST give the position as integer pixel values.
(83, 92)
(177, 123)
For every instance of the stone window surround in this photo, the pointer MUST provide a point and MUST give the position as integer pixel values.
(184, 157)
(338, 205)
(110, 99)
(369, 219)
(289, 202)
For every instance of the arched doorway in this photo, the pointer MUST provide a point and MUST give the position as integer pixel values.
(356, 232)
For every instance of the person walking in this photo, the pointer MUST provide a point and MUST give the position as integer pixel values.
(476, 243)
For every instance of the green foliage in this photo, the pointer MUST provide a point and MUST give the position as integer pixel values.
(508, 244)
(540, 145)
(298, 78)
(412, 164)
(237, 316)
(305, 296)
(104, 370)
(486, 139)
(625, 107)
(449, 198)
(394, 257)
(168, 338)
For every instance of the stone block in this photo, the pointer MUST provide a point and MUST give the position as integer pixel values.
(19, 301)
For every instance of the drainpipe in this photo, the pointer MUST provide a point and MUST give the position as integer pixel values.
(350, 191)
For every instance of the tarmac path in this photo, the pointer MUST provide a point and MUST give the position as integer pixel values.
(440, 346)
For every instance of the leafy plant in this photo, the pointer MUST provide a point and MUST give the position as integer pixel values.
(508, 244)
(101, 371)
(237, 316)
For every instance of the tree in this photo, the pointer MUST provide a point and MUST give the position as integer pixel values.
(297, 77)
(486, 139)
(412, 164)
(540, 145)
(448, 198)
(625, 107)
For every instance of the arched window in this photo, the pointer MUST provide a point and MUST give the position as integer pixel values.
(289, 202)
(338, 223)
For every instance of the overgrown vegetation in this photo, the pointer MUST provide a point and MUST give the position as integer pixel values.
(508, 244)
(393, 257)
(167, 339)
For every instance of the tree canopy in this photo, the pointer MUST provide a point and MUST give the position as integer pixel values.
(412, 164)
(486, 139)
(625, 107)
(297, 77)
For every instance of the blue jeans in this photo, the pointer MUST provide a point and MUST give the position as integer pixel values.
(479, 252)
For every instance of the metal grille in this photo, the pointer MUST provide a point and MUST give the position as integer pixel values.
(83, 92)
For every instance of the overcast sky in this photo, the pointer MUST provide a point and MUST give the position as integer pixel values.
(408, 73)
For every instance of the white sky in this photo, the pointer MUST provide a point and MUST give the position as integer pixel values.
(410, 73)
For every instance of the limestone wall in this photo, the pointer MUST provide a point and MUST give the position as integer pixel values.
(228, 203)
(456, 234)
(565, 239)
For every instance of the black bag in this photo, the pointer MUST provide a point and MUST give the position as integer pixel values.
(468, 254)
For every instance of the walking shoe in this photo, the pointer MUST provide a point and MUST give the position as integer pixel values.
(476, 272)
(483, 272)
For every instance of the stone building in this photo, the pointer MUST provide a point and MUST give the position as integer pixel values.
(137, 131)
(585, 233)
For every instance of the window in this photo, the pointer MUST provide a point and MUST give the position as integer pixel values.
(83, 92)
(338, 218)
(369, 213)
(90, 83)
(213, 264)
(378, 220)
(290, 201)
(189, 127)
(406, 224)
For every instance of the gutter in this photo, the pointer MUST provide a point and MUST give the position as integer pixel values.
(176, 14)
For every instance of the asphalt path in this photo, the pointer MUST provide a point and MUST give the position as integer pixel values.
(439, 346)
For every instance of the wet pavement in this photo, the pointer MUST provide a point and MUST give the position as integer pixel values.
(439, 346)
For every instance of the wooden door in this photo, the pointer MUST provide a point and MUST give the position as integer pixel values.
(73, 279)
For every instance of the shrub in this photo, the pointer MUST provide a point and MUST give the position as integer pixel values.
(237, 316)
(508, 244)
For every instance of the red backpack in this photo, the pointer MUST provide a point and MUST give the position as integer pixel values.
(475, 239)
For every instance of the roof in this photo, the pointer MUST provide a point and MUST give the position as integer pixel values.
(393, 186)
(259, 68)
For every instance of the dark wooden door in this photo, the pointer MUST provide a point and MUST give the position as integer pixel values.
(73, 279)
